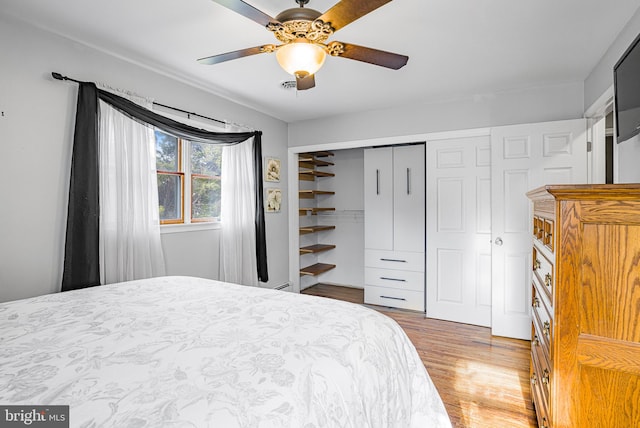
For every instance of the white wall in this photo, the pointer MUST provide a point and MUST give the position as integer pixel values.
(627, 153)
(628, 161)
(182, 259)
(540, 104)
(601, 77)
(36, 131)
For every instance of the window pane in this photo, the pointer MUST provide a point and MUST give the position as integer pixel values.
(205, 197)
(170, 196)
(167, 158)
(206, 159)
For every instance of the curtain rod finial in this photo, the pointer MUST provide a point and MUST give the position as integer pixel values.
(58, 76)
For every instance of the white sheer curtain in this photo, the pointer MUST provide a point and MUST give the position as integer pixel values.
(130, 245)
(238, 244)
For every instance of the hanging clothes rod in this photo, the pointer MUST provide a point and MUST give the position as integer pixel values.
(59, 76)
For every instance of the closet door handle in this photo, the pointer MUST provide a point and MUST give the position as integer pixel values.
(408, 181)
(392, 298)
(392, 279)
(377, 181)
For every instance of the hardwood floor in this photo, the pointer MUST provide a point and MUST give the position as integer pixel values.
(483, 380)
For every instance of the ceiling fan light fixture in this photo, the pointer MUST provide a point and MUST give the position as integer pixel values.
(301, 58)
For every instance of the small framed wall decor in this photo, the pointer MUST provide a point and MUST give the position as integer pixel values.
(273, 200)
(272, 170)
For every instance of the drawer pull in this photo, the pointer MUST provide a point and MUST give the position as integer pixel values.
(546, 329)
(536, 303)
(536, 340)
(393, 279)
(537, 265)
(547, 280)
(545, 377)
(394, 260)
(534, 379)
(545, 422)
(392, 298)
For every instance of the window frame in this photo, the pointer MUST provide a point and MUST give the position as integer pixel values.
(204, 219)
(184, 172)
(178, 173)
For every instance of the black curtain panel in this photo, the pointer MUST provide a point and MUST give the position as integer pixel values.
(81, 232)
(261, 240)
(81, 252)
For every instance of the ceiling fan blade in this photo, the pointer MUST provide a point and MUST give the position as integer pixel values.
(305, 83)
(215, 59)
(347, 11)
(373, 56)
(247, 11)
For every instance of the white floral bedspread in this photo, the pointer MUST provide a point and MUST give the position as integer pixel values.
(188, 352)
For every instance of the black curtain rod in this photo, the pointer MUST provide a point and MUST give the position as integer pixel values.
(59, 76)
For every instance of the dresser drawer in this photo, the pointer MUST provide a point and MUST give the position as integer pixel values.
(539, 393)
(543, 271)
(548, 233)
(544, 325)
(401, 279)
(538, 339)
(397, 260)
(384, 296)
(540, 354)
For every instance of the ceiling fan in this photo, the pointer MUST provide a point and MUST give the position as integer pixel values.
(303, 33)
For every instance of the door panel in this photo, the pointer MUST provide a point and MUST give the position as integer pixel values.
(524, 157)
(408, 181)
(458, 230)
(378, 198)
(450, 202)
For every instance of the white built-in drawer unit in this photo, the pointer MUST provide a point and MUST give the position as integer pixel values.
(394, 226)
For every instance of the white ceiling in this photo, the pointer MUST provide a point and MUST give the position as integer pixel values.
(456, 48)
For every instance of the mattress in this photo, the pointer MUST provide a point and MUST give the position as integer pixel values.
(190, 352)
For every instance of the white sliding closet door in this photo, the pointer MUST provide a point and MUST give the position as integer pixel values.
(524, 157)
(459, 230)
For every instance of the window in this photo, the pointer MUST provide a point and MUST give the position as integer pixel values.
(189, 177)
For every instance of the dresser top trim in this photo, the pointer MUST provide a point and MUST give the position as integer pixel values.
(586, 191)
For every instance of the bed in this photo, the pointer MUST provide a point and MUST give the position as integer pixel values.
(190, 352)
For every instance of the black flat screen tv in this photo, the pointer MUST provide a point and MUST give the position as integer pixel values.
(626, 78)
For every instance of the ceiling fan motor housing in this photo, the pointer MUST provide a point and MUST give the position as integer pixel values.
(298, 14)
(300, 23)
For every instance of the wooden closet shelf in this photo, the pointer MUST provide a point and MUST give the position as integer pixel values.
(311, 175)
(320, 154)
(316, 248)
(316, 269)
(314, 210)
(311, 162)
(310, 194)
(314, 229)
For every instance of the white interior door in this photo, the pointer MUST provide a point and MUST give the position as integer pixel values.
(524, 157)
(459, 230)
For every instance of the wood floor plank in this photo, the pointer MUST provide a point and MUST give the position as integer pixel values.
(483, 380)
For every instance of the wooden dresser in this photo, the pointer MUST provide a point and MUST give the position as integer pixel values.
(585, 347)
